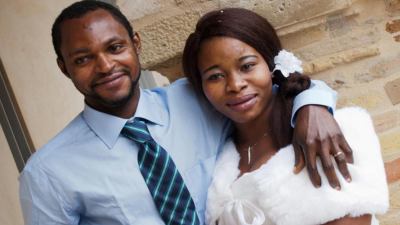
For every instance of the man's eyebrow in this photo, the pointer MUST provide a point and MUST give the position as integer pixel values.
(210, 68)
(86, 50)
(78, 51)
(113, 39)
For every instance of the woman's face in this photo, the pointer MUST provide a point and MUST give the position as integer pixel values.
(235, 78)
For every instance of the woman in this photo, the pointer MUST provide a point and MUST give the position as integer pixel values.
(236, 60)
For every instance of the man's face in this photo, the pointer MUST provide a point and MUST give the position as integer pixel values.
(101, 59)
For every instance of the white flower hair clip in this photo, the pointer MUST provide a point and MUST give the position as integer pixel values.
(287, 63)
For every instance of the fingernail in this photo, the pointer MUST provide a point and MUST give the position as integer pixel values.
(337, 188)
(348, 179)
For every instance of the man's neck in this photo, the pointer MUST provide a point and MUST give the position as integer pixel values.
(124, 111)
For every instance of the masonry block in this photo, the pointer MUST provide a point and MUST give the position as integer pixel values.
(392, 5)
(364, 77)
(330, 61)
(303, 37)
(281, 13)
(353, 40)
(390, 144)
(397, 38)
(385, 67)
(171, 68)
(393, 170)
(392, 217)
(368, 99)
(339, 25)
(386, 120)
(138, 8)
(191, 2)
(393, 26)
(392, 89)
(380, 68)
(165, 39)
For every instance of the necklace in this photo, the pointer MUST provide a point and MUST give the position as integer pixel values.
(250, 148)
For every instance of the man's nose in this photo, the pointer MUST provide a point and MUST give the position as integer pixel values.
(104, 63)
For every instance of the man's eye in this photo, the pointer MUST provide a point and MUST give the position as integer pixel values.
(216, 76)
(116, 47)
(81, 60)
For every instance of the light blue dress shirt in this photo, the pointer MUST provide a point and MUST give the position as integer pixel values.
(88, 174)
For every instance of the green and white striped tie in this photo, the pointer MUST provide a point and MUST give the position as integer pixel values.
(164, 181)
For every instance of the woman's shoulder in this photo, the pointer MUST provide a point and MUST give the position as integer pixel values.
(225, 173)
(281, 191)
(353, 120)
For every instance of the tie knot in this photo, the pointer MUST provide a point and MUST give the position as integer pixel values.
(137, 131)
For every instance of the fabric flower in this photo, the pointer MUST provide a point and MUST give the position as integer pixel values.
(287, 63)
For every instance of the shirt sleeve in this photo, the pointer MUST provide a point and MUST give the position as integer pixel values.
(41, 202)
(318, 94)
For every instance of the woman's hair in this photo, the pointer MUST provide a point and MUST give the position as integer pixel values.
(257, 32)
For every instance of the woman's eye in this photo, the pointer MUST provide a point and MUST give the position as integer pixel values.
(247, 66)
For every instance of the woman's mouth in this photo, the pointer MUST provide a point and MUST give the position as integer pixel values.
(242, 103)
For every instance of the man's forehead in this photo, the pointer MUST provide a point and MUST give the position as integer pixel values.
(94, 30)
(90, 19)
(96, 25)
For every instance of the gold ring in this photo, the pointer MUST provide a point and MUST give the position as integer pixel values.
(337, 154)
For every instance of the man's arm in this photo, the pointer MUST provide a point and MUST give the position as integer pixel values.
(41, 203)
(318, 94)
(316, 133)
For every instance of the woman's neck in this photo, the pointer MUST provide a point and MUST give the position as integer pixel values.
(251, 130)
(254, 141)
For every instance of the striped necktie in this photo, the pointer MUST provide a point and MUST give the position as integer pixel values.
(164, 181)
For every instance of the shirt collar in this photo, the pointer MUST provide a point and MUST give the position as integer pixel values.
(108, 127)
(151, 108)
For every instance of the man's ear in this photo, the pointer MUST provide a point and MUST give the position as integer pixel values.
(61, 65)
(137, 43)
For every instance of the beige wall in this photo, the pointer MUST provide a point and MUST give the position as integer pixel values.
(10, 212)
(45, 96)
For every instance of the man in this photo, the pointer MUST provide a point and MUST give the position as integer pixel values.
(89, 173)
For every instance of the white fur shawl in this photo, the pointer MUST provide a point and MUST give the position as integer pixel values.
(274, 195)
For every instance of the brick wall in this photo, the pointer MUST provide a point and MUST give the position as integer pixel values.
(353, 45)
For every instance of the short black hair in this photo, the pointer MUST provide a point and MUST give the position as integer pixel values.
(78, 10)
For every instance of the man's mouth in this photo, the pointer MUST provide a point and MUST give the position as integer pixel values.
(110, 80)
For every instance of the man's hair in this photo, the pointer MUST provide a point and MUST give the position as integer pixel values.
(78, 10)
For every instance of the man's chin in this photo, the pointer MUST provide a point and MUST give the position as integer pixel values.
(117, 102)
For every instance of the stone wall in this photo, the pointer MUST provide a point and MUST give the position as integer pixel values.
(353, 45)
